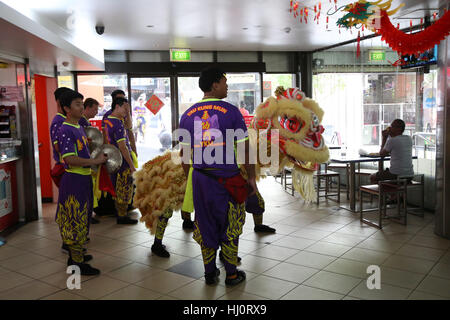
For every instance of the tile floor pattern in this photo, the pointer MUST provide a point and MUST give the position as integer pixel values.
(317, 253)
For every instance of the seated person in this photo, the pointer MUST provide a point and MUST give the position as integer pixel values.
(399, 147)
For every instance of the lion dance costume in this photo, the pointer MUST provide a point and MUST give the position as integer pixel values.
(161, 183)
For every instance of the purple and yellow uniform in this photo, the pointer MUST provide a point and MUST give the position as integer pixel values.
(218, 218)
(105, 116)
(75, 200)
(54, 128)
(140, 111)
(122, 179)
(84, 122)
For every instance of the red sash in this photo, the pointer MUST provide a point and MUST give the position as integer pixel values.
(236, 186)
(56, 173)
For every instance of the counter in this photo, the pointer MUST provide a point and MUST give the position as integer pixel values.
(9, 155)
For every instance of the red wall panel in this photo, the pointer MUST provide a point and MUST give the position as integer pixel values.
(43, 136)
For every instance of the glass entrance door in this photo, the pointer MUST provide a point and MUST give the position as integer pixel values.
(152, 116)
(189, 93)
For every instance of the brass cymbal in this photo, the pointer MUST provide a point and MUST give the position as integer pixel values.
(95, 138)
(114, 157)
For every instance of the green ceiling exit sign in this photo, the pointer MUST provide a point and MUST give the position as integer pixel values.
(180, 55)
(377, 55)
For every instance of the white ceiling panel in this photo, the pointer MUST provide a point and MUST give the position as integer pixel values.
(232, 25)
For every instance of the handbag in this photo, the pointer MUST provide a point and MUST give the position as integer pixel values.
(236, 186)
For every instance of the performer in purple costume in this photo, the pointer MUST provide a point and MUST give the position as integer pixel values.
(218, 218)
(56, 124)
(75, 198)
(54, 129)
(106, 203)
(123, 178)
(90, 111)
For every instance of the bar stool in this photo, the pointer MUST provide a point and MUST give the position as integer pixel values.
(279, 175)
(382, 190)
(364, 173)
(327, 176)
(416, 181)
(346, 166)
(287, 173)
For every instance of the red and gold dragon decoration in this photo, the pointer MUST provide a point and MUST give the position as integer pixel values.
(374, 16)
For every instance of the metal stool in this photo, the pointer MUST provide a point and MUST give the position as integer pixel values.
(287, 172)
(345, 166)
(381, 190)
(328, 176)
(416, 181)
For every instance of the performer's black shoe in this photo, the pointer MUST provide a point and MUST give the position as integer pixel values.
(188, 224)
(223, 259)
(65, 248)
(264, 228)
(86, 269)
(160, 250)
(94, 220)
(86, 258)
(126, 220)
(240, 277)
(212, 277)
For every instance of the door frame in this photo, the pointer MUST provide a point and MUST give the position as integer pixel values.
(173, 93)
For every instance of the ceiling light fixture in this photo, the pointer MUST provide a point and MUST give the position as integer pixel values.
(150, 26)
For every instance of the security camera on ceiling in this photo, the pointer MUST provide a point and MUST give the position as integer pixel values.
(100, 29)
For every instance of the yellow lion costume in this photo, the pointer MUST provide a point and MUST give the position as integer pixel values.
(290, 122)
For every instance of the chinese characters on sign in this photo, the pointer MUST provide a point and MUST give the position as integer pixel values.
(154, 104)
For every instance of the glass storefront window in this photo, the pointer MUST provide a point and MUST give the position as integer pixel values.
(66, 81)
(371, 114)
(371, 135)
(152, 130)
(388, 97)
(359, 106)
(272, 80)
(340, 95)
(425, 140)
(188, 93)
(244, 91)
(429, 102)
(100, 88)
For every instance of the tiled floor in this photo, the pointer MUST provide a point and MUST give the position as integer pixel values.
(317, 253)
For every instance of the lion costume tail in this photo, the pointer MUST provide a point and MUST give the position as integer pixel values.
(160, 186)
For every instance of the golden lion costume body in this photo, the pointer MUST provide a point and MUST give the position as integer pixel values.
(161, 184)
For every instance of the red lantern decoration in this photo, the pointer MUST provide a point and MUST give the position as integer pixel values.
(358, 46)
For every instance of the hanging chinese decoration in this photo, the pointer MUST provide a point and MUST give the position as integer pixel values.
(375, 17)
(302, 12)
